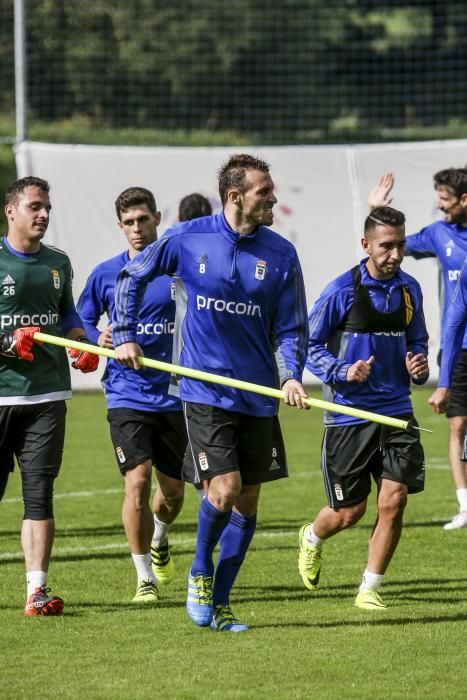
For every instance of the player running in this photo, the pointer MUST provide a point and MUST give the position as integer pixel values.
(241, 313)
(146, 422)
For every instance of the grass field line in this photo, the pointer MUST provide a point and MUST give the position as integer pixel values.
(73, 494)
(112, 492)
(174, 540)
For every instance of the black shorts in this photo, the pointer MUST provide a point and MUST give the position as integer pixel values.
(34, 434)
(141, 435)
(353, 454)
(458, 399)
(222, 441)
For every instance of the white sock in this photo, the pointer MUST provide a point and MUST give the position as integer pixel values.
(161, 532)
(370, 580)
(462, 498)
(35, 579)
(142, 564)
(312, 538)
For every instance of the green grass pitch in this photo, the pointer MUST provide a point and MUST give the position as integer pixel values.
(301, 644)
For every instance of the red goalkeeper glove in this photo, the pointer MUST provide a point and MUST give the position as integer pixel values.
(18, 343)
(85, 361)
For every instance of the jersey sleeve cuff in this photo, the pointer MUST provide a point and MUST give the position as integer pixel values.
(342, 372)
(121, 338)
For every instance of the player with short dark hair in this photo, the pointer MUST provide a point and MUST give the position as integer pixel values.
(36, 293)
(146, 423)
(368, 341)
(193, 206)
(447, 241)
(240, 312)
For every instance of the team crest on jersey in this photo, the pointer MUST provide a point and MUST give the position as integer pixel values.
(173, 287)
(260, 271)
(56, 278)
(338, 492)
(449, 248)
(120, 455)
(203, 461)
(202, 262)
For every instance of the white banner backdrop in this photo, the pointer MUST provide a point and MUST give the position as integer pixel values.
(321, 190)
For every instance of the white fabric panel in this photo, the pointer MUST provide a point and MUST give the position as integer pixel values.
(321, 191)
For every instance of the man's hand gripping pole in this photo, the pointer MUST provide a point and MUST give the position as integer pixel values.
(229, 381)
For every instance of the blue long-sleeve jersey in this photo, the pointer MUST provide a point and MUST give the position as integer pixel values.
(448, 243)
(454, 329)
(145, 389)
(387, 389)
(241, 309)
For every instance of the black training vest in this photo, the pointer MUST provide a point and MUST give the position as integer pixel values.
(363, 317)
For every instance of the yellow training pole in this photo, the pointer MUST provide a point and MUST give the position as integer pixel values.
(226, 381)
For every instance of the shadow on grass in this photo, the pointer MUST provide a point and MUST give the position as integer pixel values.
(289, 527)
(370, 621)
(445, 591)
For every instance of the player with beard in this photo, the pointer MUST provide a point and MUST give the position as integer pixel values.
(241, 313)
(447, 241)
(368, 342)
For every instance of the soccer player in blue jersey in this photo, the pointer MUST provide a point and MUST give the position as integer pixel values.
(146, 423)
(447, 241)
(368, 341)
(453, 333)
(241, 313)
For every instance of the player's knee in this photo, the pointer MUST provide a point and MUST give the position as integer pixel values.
(350, 516)
(458, 427)
(170, 491)
(137, 496)
(38, 487)
(175, 498)
(224, 490)
(393, 504)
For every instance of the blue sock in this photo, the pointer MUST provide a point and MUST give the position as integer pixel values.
(234, 544)
(211, 523)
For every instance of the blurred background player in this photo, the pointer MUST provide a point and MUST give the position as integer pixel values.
(453, 332)
(244, 298)
(194, 206)
(368, 341)
(447, 241)
(146, 423)
(36, 283)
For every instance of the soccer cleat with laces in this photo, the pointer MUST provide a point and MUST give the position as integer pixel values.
(223, 620)
(309, 561)
(146, 592)
(370, 600)
(199, 599)
(162, 563)
(459, 521)
(42, 603)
